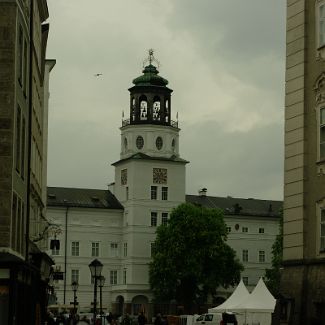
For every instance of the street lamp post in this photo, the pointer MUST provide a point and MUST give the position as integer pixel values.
(101, 284)
(95, 269)
(74, 286)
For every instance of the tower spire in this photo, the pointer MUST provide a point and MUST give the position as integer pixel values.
(150, 59)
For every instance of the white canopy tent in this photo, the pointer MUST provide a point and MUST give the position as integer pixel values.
(252, 309)
(258, 307)
(238, 296)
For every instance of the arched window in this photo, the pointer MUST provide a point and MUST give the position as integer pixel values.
(143, 108)
(156, 109)
(133, 109)
(166, 110)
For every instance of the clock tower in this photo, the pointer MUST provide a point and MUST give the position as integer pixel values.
(149, 178)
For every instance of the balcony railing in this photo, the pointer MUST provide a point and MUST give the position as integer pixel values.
(173, 124)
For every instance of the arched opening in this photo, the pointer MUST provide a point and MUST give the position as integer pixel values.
(173, 145)
(133, 109)
(143, 108)
(166, 110)
(156, 109)
(139, 304)
(119, 305)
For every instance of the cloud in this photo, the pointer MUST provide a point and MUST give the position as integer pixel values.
(224, 60)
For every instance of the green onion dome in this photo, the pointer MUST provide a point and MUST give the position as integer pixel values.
(150, 77)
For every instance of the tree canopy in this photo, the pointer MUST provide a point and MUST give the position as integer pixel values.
(191, 257)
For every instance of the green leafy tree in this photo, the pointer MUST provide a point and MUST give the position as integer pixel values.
(191, 257)
(273, 274)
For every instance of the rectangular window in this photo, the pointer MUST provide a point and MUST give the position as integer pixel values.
(124, 276)
(113, 277)
(18, 138)
(164, 193)
(20, 56)
(18, 241)
(245, 255)
(23, 131)
(261, 230)
(322, 230)
(75, 276)
(55, 251)
(95, 249)
(244, 229)
(14, 209)
(153, 192)
(25, 68)
(261, 256)
(114, 249)
(75, 248)
(164, 218)
(321, 25)
(125, 249)
(153, 219)
(245, 280)
(127, 193)
(322, 133)
(228, 229)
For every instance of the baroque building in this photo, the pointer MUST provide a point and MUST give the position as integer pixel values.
(118, 225)
(303, 276)
(24, 74)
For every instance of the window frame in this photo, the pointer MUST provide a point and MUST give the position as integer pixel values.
(244, 229)
(245, 255)
(321, 247)
(261, 256)
(318, 19)
(75, 248)
(164, 193)
(75, 275)
(164, 218)
(113, 277)
(320, 127)
(154, 192)
(95, 246)
(261, 230)
(153, 219)
(114, 249)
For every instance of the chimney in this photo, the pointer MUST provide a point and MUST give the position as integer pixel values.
(203, 192)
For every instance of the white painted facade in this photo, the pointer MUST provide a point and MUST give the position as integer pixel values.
(149, 182)
(260, 236)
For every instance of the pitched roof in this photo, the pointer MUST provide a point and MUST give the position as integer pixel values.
(140, 155)
(82, 197)
(238, 206)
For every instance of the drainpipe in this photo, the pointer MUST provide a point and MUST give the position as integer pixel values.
(65, 253)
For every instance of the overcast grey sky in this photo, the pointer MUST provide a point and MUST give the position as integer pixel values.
(224, 59)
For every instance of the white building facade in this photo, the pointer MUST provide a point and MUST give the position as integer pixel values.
(118, 226)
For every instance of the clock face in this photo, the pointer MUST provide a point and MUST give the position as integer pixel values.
(124, 176)
(139, 142)
(160, 175)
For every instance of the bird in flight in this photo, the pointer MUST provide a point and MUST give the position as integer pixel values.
(98, 74)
